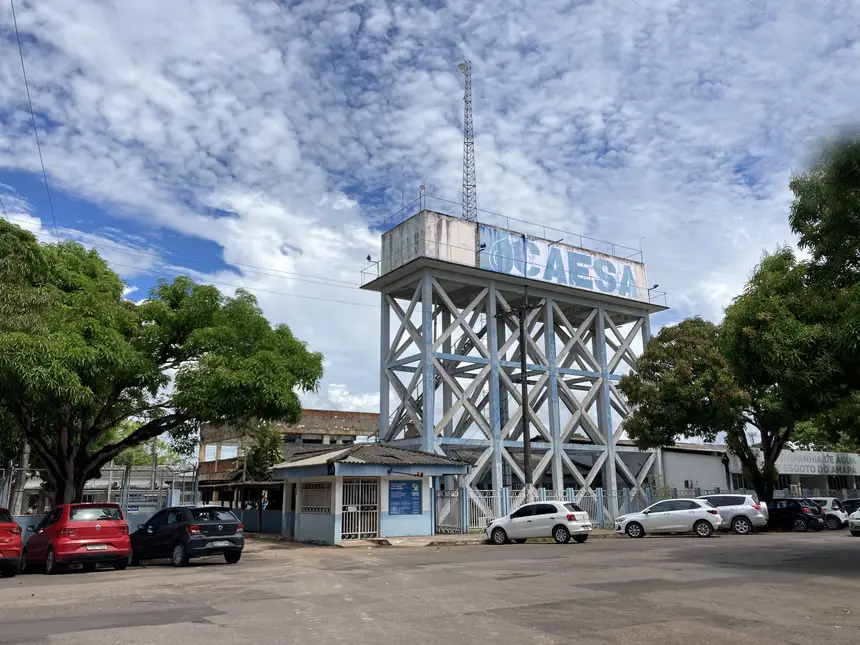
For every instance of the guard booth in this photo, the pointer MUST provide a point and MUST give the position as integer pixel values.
(359, 492)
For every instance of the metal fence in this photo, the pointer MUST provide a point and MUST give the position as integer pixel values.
(27, 492)
(484, 505)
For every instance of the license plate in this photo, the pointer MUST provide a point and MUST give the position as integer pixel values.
(221, 543)
(96, 547)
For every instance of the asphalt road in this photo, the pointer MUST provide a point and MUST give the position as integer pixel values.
(767, 589)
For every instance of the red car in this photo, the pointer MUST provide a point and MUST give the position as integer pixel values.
(10, 545)
(78, 534)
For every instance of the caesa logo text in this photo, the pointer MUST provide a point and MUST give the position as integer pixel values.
(514, 254)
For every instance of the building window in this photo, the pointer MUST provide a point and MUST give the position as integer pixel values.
(837, 482)
(316, 498)
(689, 483)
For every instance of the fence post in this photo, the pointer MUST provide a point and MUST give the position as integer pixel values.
(716, 490)
(626, 500)
(785, 492)
(571, 495)
(542, 495)
(506, 500)
(674, 493)
(697, 491)
(464, 509)
(649, 494)
(601, 520)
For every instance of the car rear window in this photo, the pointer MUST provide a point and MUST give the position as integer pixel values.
(573, 508)
(94, 513)
(5, 516)
(213, 515)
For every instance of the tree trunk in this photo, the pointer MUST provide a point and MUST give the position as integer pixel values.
(69, 490)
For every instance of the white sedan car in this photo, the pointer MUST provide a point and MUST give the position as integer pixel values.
(558, 520)
(671, 516)
(854, 523)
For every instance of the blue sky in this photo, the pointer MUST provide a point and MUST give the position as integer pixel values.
(255, 143)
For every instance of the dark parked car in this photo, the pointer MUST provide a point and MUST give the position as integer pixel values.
(795, 515)
(182, 533)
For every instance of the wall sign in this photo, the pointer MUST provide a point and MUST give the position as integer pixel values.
(801, 462)
(404, 497)
(524, 256)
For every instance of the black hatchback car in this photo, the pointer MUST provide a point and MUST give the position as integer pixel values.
(795, 515)
(182, 533)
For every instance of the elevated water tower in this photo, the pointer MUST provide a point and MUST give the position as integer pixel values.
(451, 375)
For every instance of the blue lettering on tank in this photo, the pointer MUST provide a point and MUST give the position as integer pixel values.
(578, 266)
(628, 283)
(605, 271)
(554, 271)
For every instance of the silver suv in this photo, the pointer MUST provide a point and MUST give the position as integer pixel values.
(740, 513)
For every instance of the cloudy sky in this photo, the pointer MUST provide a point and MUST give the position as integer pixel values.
(255, 143)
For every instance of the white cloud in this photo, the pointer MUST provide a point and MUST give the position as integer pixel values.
(670, 120)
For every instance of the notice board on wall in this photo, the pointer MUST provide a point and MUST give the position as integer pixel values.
(404, 497)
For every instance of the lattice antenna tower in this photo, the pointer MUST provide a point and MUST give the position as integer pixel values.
(470, 197)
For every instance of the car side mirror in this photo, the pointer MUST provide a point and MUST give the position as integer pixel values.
(31, 529)
(646, 512)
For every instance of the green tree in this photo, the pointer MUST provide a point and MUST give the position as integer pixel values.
(141, 454)
(264, 452)
(767, 366)
(77, 360)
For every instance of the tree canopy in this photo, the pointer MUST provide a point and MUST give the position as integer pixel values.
(263, 452)
(77, 360)
(785, 358)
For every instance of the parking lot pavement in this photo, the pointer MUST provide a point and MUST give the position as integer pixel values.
(779, 588)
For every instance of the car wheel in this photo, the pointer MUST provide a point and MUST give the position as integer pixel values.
(499, 536)
(180, 555)
(561, 535)
(520, 541)
(741, 526)
(833, 523)
(703, 528)
(635, 530)
(120, 565)
(579, 539)
(132, 559)
(24, 563)
(9, 571)
(89, 567)
(800, 525)
(232, 557)
(51, 564)
(855, 533)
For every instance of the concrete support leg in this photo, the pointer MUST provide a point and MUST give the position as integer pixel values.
(495, 391)
(428, 431)
(553, 402)
(604, 414)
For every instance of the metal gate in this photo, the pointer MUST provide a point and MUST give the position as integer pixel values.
(448, 518)
(360, 513)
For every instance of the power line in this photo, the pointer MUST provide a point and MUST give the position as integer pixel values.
(33, 117)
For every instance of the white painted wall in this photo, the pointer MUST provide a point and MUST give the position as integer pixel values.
(704, 470)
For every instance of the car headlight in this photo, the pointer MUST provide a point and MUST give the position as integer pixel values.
(620, 520)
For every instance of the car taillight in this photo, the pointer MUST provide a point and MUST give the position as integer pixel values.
(756, 507)
(193, 529)
(571, 517)
(15, 530)
(123, 530)
(713, 511)
(240, 528)
(805, 509)
(67, 532)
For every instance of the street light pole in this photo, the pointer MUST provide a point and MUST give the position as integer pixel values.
(521, 314)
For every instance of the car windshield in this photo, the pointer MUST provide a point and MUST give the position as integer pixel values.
(94, 513)
(573, 508)
(213, 515)
(5, 516)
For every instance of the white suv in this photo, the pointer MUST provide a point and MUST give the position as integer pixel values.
(558, 520)
(835, 517)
